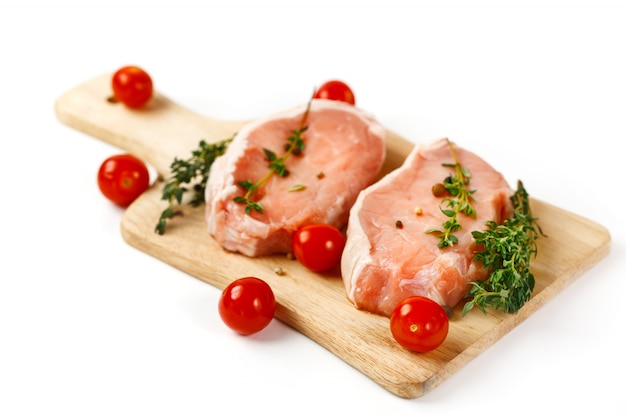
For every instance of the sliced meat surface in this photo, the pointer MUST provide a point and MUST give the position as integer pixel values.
(344, 153)
(388, 254)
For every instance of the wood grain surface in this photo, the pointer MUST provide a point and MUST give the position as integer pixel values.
(313, 304)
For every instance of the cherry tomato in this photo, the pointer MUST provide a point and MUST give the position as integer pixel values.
(132, 86)
(318, 246)
(122, 178)
(335, 90)
(419, 323)
(247, 305)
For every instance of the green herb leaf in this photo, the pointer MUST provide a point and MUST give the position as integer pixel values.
(297, 187)
(246, 185)
(279, 167)
(449, 213)
(269, 155)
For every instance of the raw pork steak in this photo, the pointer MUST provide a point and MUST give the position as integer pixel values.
(385, 261)
(344, 153)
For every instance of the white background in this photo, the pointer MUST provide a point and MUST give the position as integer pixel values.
(89, 326)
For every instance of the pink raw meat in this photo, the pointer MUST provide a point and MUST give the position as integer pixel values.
(382, 263)
(344, 153)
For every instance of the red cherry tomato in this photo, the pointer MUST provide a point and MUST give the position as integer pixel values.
(123, 178)
(132, 86)
(419, 323)
(335, 90)
(247, 305)
(318, 246)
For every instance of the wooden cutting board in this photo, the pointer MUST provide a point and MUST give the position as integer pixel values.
(313, 304)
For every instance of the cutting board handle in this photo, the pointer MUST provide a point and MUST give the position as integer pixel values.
(155, 133)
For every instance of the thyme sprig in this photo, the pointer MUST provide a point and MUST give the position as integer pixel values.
(458, 200)
(507, 250)
(185, 172)
(295, 146)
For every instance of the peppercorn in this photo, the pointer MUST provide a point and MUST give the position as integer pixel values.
(439, 190)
